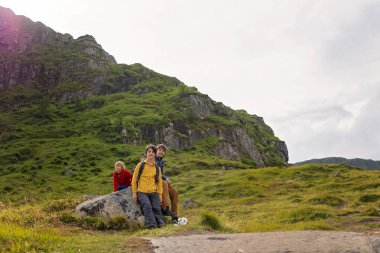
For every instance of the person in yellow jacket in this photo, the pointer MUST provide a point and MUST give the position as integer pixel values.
(147, 189)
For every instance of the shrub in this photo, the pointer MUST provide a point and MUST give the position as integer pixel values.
(369, 198)
(372, 211)
(248, 161)
(202, 164)
(305, 214)
(251, 178)
(59, 205)
(367, 186)
(93, 223)
(120, 222)
(95, 103)
(8, 188)
(326, 200)
(211, 220)
(96, 170)
(115, 223)
(68, 218)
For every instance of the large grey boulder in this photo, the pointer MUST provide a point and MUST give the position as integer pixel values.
(118, 203)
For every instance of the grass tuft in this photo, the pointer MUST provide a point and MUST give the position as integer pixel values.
(211, 220)
(327, 200)
(369, 198)
(305, 214)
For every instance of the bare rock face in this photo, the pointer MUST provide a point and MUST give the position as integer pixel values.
(227, 150)
(201, 106)
(118, 203)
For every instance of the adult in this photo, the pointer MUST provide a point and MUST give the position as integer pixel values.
(147, 189)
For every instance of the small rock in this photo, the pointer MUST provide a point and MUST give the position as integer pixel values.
(188, 203)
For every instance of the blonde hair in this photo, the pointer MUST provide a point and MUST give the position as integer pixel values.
(120, 163)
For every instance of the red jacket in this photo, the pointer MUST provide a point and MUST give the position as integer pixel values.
(122, 178)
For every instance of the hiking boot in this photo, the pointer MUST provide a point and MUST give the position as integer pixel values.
(175, 220)
(161, 225)
(167, 212)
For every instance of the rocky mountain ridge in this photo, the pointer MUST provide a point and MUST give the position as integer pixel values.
(367, 164)
(39, 67)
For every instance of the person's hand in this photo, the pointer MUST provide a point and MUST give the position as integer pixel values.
(168, 181)
(135, 200)
(161, 199)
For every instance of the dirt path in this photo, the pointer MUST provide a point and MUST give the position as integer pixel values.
(289, 242)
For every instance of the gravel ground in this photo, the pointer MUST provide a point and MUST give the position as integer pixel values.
(289, 242)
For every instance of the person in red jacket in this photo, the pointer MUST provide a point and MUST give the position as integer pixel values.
(122, 178)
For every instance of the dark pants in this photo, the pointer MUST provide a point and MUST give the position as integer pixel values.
(151, 206)
(122, 187)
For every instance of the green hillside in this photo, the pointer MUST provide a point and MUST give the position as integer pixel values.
(68, 111)
(322, 197)
(367, 164)
(53, 149)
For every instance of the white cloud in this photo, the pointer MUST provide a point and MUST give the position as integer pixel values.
(305, 66)
(348, 130)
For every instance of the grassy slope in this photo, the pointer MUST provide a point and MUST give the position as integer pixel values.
(243, 200)
(51, 156)
(53, 149)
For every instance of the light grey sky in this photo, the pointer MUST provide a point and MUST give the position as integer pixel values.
(309, 67)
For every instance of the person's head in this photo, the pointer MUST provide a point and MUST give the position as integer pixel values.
(150, 151)
(161, 150)
(119, 166)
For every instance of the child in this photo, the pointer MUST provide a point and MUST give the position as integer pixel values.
(170, 194)
(122, 178)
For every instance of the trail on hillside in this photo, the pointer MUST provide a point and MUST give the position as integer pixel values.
(289, 242)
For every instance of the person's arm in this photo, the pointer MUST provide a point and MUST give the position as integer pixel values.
(115, 182)
(134, 183)
(160, 189)
(162, 171)
(129, 178)
(163, 176)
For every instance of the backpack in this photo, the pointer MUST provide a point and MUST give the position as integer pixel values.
(141, 171)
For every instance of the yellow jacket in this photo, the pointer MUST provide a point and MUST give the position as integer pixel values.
(146, 182)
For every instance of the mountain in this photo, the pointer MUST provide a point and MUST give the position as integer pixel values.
(367, 164)
(68, 111)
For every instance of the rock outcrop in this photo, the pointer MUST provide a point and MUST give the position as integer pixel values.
(118, 203)
(57, 65)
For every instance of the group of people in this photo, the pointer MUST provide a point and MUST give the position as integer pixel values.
(151, 188)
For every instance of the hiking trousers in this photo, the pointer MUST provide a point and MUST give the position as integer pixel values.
(173, 193)
(151, 207)
(170, 197)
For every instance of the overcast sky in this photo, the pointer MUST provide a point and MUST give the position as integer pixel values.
(309, 68)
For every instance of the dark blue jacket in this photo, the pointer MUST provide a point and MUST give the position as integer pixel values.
(160, 164)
